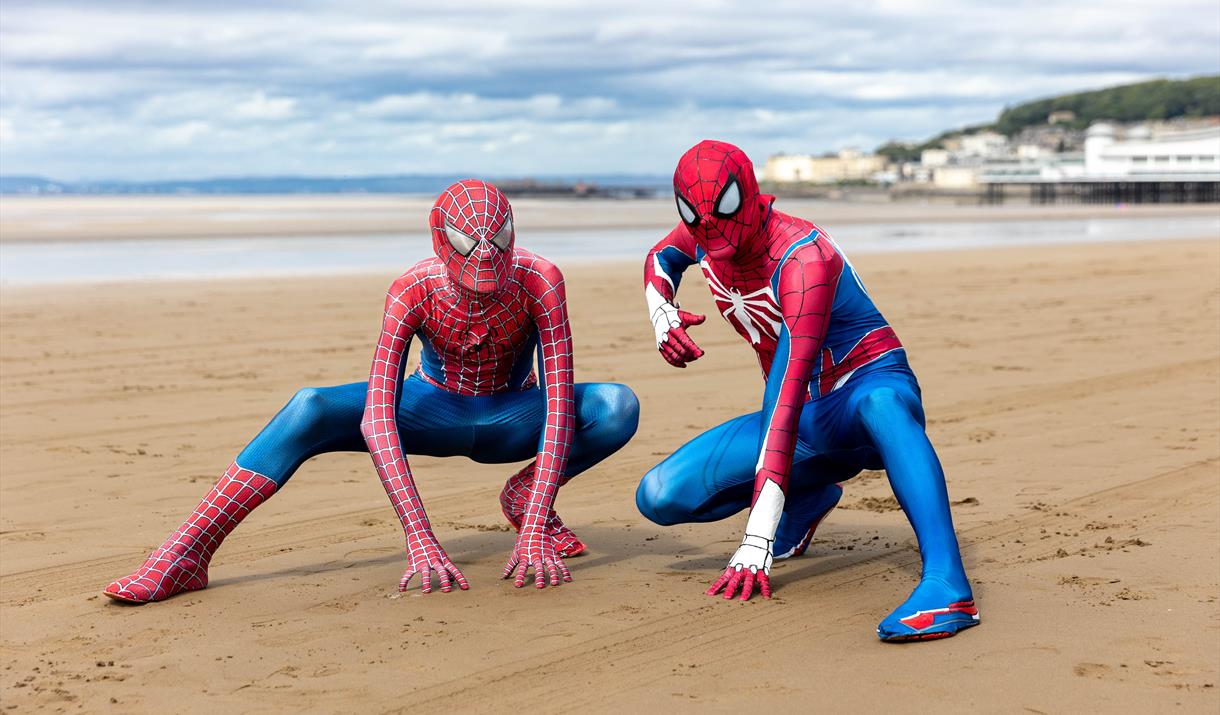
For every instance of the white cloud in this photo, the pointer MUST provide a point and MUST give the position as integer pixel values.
(183, 134)
(260, 106)
(426, 41)
(465, 105)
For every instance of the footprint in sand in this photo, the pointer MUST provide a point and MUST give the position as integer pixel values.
(1092, 670)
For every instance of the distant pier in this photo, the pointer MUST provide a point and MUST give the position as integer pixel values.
(1101, 191)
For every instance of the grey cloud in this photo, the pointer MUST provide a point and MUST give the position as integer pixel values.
(139, 90)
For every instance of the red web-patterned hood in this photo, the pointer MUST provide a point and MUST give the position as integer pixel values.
(473, 235)
(718, 200)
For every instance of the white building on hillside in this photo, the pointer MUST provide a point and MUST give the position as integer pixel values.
(932, 158)
(983, 145)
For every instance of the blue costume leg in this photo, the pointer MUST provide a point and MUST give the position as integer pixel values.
(889, 410)
(607, 416)
(490, 429)
(315, 420)
(712, 477)
(709, 478)
(814, 492)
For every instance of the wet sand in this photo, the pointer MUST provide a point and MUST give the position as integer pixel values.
(1073, 393)
(84, 218)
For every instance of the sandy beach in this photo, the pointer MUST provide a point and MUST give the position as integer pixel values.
(1073, 393)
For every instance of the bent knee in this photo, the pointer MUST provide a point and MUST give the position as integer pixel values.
(306, 403)
(656, 502)
(884, 404)
(310, 409)
(625, 407)
(880, 398)
(616, 408)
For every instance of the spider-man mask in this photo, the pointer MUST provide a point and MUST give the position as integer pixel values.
(472, 234)
(718, 197)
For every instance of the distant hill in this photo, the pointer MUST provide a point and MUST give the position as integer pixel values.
(399, 184)
(1142, 101)
(29, 185)
(1157, 99)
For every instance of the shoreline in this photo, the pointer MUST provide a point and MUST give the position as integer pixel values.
(76, 219)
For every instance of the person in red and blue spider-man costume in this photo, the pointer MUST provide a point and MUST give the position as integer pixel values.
(839, 395)
(480, 310)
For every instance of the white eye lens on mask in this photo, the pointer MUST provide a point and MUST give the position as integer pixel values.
(504, 235)
(461, 243)
(689, 217)
(730, 199)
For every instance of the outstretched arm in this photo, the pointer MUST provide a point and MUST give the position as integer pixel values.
(662, 274)
(380, 429)
(535, 548)
(806, 293)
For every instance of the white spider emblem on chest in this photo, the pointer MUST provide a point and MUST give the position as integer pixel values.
(757, 311)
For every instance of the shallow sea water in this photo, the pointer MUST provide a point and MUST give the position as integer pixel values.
(235, 257)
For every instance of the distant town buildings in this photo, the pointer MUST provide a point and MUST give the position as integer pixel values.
(1181, 152)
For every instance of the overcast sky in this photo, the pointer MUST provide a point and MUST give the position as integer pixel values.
(148, 90)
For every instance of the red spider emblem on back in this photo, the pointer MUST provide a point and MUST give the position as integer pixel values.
(718, 199)
(472, 234)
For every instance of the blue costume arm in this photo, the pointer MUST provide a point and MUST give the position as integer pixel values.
(665, 263)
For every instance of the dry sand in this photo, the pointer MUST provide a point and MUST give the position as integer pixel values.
(1073, 393)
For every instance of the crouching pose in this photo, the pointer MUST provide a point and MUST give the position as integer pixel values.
(480, 308)
(839, 395)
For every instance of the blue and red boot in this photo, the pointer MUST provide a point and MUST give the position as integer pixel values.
(936, 609)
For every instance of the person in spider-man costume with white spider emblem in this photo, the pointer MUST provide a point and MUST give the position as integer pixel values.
(480, 310)
(839, 394)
